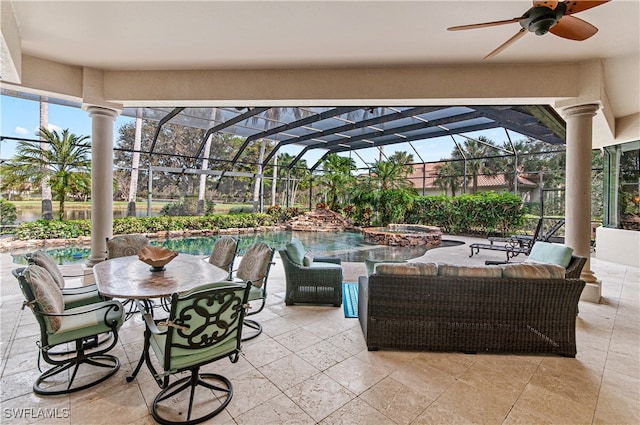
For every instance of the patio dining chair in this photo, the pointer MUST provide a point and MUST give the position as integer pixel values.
(73, 297)
(124, 245)
(60, 326)
(224, 253)
(254, 267)
(204, 326)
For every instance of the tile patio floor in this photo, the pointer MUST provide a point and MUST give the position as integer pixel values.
(311, 366)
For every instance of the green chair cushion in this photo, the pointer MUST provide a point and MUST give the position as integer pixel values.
(46, 293)
(317, 265)
(86, 321)
(183, 358)
(295, 251)
(78, 299)
(549, 253)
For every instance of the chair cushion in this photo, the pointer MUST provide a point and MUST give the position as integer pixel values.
(185, 358)
(295, 251)
(78, 299)
(533, 271)
(223, 252)
(407, 269)
(319, 265)
(125, 245)
(255, 263)
(46, 261)
(469, 271)
(47, 294)
(87, 321)
(549, 253)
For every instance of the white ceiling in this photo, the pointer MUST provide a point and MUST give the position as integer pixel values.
(161, 35)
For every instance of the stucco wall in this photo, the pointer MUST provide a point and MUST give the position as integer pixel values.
(618, 246)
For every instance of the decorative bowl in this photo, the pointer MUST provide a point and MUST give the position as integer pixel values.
(157, 257)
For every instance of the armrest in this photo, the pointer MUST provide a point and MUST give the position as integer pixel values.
(151, 325)
(334, 260)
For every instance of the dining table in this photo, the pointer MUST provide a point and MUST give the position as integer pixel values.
(132, 279)
(129, 277)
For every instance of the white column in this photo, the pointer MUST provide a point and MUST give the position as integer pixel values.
(578, 191)
(102, 120)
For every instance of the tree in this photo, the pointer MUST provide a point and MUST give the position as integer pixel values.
(449, 176)
(336, 179)
(65, 163)
(392, 174)
(474, 151)
(47, 206)
(296, 178)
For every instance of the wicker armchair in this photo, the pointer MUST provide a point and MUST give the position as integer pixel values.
(318, 283)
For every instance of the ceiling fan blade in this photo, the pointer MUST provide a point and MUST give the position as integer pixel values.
(573, 28)
(507, 43)
(579, 6)
(485, 24)
(551, 4)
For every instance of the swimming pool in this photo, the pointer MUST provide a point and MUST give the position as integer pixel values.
(350, 247)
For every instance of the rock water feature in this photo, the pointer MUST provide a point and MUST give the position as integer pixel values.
(320, 220)
(409, 235)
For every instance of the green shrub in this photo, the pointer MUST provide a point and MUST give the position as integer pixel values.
(186, 207)
(241, 209)
(485, 213)
(53, 229)
(7, 212)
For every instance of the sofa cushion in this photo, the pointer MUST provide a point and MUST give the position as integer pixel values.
(549, 253)
(295, 251)
(533, 271)
(407, 269)
(469, 271)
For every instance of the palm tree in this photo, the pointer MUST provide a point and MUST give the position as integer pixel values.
(47, 207)
(135, 163)
(474, 151)
(297, 176)
(65, 163)
(391, 174)
(336, 178)
(449, 176)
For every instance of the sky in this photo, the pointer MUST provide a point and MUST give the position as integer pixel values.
(21, 118)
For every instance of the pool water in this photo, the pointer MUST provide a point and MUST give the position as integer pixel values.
(350, 247)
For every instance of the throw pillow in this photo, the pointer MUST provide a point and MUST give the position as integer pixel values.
(549, 253)
(47, 294)
(533, 271)
(295, 251)
(469, 271)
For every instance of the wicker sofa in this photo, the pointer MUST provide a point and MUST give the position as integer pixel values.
(439, 312)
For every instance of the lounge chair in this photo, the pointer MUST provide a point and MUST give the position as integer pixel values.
(518, 244)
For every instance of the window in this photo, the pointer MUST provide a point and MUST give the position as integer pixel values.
(622, 186)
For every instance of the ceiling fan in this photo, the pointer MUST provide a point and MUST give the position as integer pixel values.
(543, 17)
